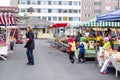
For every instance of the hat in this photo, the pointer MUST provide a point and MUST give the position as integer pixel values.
(82, 39)
(70, 39)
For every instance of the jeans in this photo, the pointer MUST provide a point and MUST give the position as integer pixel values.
(30, 56)
(81, 57)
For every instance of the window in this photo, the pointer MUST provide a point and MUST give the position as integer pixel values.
(76, 19)
(87, 15)
(70, 10)
(76, 3)
(54, 11)
(33, 3)
(70, 19)
(87, 8)
(44, 18)
(65, 18)
(70, 2)
(22, 10)
(44, 11)
(65, 11)
(49, 2)
(49, 18)
(54, 2)
(54, 18)
(97, 11)
(22, 2)
(97, 3)
(39, 10)
(39, 2)
(75, 11)
(79, 3)
(59, 18)
(28, 2)
(49, 11)
(44, 3)
(60, 3)
(35, 10)
(65, 3)
(79, 11)
(59, 10)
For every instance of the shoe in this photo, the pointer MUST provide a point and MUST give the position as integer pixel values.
(72, 61)
(32, 64)
(28, 63)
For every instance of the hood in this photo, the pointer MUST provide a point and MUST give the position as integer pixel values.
(70, 39)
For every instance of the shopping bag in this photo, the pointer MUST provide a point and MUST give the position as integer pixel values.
(76, 53)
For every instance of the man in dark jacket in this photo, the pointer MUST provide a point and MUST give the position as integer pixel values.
(77, 39)
(30, 45)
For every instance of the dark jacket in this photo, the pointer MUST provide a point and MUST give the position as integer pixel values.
(30, 44)
(77, 39)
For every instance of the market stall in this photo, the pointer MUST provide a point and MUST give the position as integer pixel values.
(111, 53)
(8, 19)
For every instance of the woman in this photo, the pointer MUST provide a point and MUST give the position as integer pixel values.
(30, 45)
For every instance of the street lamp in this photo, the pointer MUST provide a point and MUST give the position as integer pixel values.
(30, 10)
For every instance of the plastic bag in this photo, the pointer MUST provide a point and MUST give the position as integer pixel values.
(76, 53)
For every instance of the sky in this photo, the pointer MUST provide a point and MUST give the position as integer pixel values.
(4, 2)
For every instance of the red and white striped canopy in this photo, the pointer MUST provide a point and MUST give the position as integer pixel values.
(8, 18)
(57, 25)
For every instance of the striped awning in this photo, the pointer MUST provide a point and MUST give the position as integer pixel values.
(102, 24)
(8, 15)
(8, 18)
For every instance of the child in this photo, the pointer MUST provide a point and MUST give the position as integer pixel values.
(71, 49)
(81, 47)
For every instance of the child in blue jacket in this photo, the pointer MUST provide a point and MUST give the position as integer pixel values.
(81, 47)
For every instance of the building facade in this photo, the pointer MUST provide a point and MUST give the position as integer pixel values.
(14, 2)
(92, 8)
(67, 11)
(58, 11)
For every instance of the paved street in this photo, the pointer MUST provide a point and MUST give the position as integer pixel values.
(50, 64)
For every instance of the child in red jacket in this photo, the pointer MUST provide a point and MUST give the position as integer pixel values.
(71, 49)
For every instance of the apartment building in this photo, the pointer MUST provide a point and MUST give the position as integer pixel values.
(91, 8)
(57, 11)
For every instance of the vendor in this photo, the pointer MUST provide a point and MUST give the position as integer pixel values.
(106, 43)
(98, 41)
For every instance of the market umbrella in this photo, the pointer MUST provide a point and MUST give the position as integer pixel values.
(111, 16)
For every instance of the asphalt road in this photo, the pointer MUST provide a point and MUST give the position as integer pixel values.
(50, 64)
